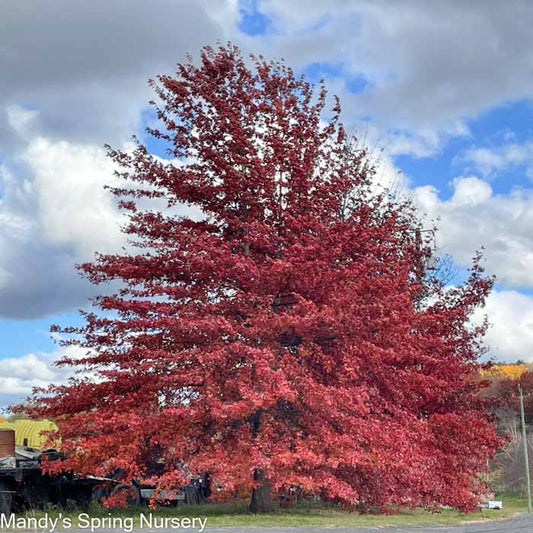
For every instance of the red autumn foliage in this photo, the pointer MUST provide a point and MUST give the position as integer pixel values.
(290, 335)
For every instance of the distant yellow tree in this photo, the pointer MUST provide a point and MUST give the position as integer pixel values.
(511, 371)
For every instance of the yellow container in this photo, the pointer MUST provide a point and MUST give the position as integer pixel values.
(28, 432)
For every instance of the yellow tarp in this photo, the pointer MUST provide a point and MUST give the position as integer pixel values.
(28, 432)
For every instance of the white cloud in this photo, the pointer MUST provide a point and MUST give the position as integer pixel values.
(31, 366)
(510, 335)
(54, 212)
(19, 375)
(475, 216)
(422, 141)
(471, 192)
(501, 158)
(75, 79)
(20, 119)
(84, 65)
(73, 208)
(429, 65)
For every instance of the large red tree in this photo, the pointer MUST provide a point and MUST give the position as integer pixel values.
(289, 336)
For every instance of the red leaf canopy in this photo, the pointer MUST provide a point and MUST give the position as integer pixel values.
(290, 328)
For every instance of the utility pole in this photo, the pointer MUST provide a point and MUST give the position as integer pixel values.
(526, 455)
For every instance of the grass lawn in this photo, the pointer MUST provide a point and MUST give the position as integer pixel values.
(318, 515)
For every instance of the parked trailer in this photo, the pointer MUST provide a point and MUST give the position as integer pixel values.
(25, 486)
(22, 481)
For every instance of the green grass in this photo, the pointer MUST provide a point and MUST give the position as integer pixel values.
(317, 515)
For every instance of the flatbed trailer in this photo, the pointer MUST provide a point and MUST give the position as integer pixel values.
(29, 487)
(26, 487)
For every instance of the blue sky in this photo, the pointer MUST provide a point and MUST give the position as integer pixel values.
(443, 89)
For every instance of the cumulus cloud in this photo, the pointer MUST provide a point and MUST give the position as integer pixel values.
(84, 65)
(54, 212)
(73, 206)
(490, 161)
(475, 216)
(510, 335)
(425, 67)
(19, 375)
(75, 79)
(428, 66)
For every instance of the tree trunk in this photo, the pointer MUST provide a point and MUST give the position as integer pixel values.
(261, 500)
